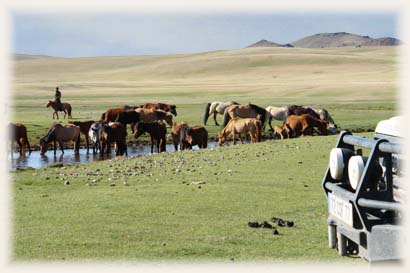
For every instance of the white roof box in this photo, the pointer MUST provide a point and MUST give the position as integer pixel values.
(391, 127)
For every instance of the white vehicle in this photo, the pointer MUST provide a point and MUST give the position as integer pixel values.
(363, 189)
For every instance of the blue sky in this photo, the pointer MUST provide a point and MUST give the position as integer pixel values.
(115, 34)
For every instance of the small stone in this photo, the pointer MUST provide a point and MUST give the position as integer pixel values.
(67, 183)
(275, 232)
(113, 185)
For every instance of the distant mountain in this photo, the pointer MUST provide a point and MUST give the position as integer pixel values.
(266, 43)
(386, 41)
(337, 39)
(22, 57)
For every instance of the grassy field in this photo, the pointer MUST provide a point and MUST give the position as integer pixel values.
(148, 208)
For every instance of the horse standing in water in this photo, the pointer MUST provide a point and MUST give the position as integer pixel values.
(18, 133)
(304, 124)
(216, 107)
(147, 115)
(196, 135)
(66, 108)
(84, 129)
(178, 135)
(157, 132)
(113, 132)
(59, 133)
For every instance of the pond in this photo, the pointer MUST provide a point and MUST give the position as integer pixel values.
(35, 160)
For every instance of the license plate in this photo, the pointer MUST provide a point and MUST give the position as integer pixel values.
(340, 208)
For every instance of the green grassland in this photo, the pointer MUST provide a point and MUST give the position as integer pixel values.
(146, 208)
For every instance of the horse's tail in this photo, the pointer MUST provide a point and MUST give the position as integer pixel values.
(69, 111)
(227, 117)
(206, 116)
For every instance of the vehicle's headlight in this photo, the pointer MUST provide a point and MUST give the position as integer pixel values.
(356, 167)
(338, 160)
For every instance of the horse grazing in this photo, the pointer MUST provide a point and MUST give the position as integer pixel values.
(18, 133)
(178, 135)
(245, 111)
(196, 135)
(304, 124)
(237, 127)
(66, 108)
(157, 132)
(147, 115)
(161, 106)
(282, 131)
(84, 129)
(113, 132)
(324, 115)
(216, 107)
(128, 117)
(59, 133)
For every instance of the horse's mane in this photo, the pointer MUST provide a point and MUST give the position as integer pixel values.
(258, 109)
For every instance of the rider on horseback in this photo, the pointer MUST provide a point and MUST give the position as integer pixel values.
(57, 97)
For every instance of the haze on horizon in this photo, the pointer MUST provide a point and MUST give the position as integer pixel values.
(121, 34)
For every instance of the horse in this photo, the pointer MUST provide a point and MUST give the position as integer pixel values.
(324, 115)
(147, 115)
(300, 110)
(282, 131)
(161, 106)
(128, 117)
(113, 132)
(277, 113)
(304, 124)
(94, 135)
(245, 111)
(66, 108)
(216, 107)
(18, 133)
(237, 127)
(178, 135)
(157, 132)
(59, 133)
(84, 129)
(196, 135)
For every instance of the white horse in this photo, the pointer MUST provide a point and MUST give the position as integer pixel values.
(216, 107)
(277, 113)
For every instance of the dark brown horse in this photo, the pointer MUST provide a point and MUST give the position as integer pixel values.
(84, 129)
(66, 108)
(300, 110)
(114, 132)
(157, 132)
(18, 133)
(147, 115)
(196, 135)
(161, 106)
(59, 133)
(128, 117)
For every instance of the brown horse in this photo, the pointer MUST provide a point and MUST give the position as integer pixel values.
(66, 108)
(147, 115)
(304, 124)
(161, 106)
(178, 135)
(157, 132)
(113, 132)
(245, 111)
(112, 113)
(59, 133)
(84, 129)
(196, 135)
(128, 117)
(282, 131)
(18, 133)
(237, 127)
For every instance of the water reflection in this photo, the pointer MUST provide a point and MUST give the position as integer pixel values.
(35, 160)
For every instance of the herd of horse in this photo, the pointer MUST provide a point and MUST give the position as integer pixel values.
(239, 121)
